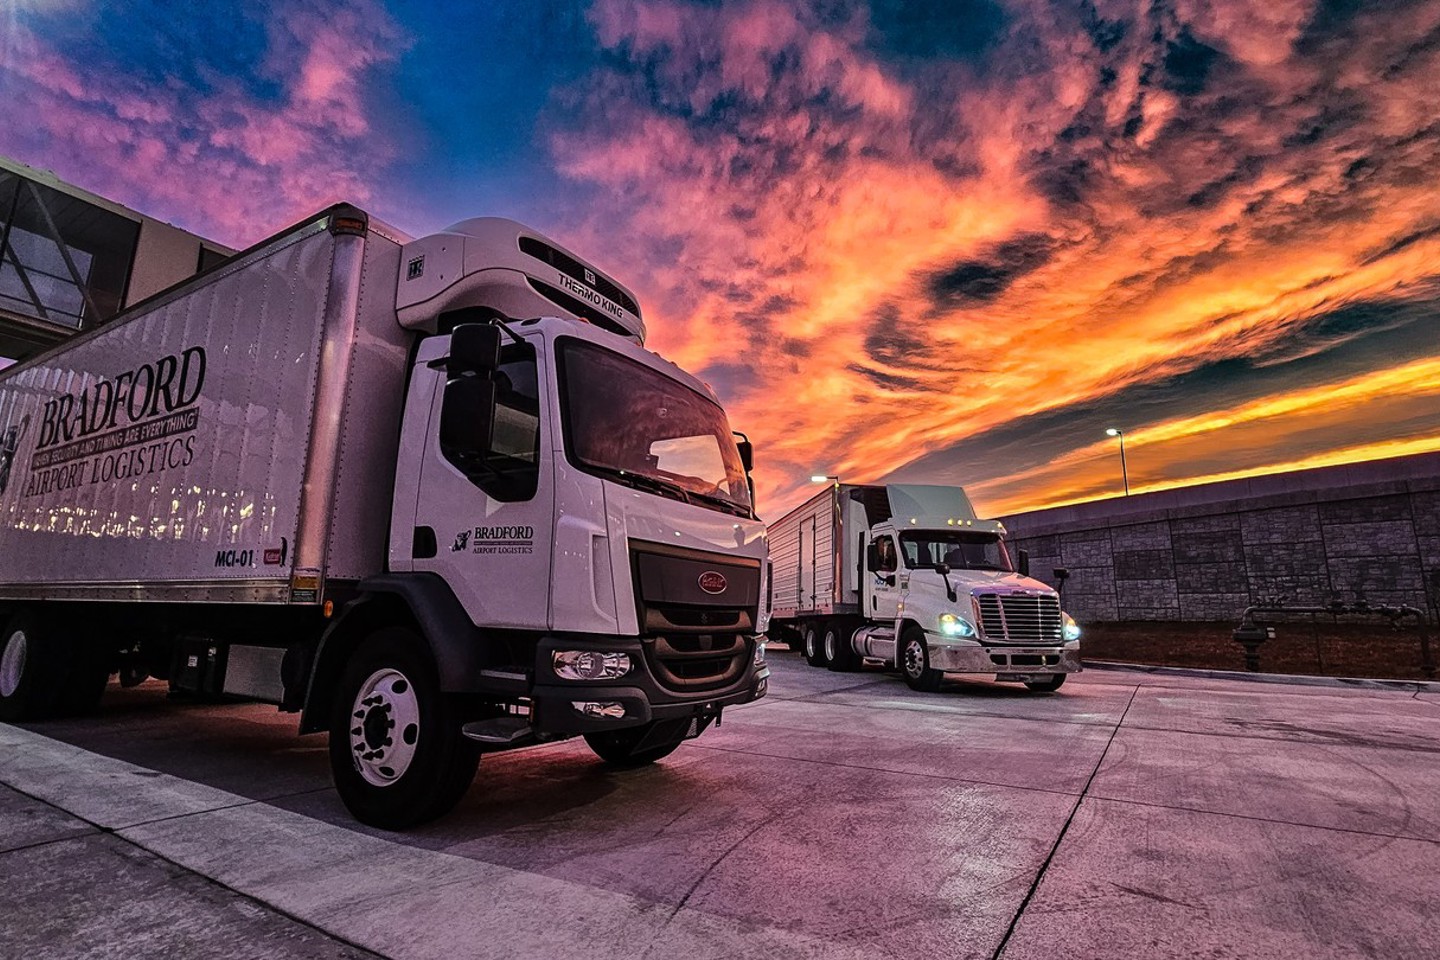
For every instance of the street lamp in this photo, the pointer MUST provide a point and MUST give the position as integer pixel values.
(825, 478)
(1124, 471)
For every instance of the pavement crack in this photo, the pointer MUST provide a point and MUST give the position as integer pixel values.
(1148, 895)
(51, 842)
(1064, 829)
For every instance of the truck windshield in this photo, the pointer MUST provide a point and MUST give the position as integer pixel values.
(637, 426)
(960, 549)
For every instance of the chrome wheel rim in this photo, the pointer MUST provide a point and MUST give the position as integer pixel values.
(810, 650)
(12, 664)
(385, 727)
(831, 645)
(914, 658)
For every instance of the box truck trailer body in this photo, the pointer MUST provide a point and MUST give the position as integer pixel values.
(908, 574)
(434, 495)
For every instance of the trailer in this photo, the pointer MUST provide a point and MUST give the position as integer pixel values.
(432, 495)
(909, 576)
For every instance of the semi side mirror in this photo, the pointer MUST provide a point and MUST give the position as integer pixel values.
(467, 421)
(1024, 563)
(747, 454)
(474, 349)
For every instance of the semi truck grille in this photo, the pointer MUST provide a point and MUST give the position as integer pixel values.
(1017, 618)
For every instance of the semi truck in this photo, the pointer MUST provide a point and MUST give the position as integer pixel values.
(909, 576)
(431, 495)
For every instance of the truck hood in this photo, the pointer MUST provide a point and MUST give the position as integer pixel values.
(638, 518)
(925, 598)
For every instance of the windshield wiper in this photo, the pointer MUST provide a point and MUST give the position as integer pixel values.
(646, 482)
(729, 506)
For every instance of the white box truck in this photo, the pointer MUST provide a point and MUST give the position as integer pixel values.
(908, 575)
(432, 495)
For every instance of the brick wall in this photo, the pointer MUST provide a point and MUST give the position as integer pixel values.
(1206, 552)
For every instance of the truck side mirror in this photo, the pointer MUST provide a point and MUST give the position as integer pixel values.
(474, 349)
(872, 556)
(1024, 563)
(747, 454)
(467, 420)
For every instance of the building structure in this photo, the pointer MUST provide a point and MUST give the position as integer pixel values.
(71, 260)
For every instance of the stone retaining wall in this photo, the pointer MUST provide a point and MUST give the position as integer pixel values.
(1207, 552)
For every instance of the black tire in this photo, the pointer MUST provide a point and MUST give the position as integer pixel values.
(438, 761)
(617, 747)
(839, 655)
(914, 662)
(1048, 685)
(813, 646)
(32, 669)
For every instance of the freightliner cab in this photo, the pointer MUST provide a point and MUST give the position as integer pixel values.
(432, 495)
(908, 576)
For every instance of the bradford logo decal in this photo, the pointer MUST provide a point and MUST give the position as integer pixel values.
(713, 582)
(9, 443)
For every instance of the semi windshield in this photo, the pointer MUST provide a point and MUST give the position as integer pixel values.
(961, 549)
(634, 425)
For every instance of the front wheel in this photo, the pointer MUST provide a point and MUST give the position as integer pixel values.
(1048, 685)
(915, 662)
(617, 747)
(31, 669)
(396, 751)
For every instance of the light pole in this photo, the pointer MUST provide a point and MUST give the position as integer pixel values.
(825, 478)
(1124, 471)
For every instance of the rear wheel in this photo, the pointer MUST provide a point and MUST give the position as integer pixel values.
(396, 751)
(617, 747)
(1048, 685)
(32, 669)
(814, 645)
(915, 662)
(839, 655)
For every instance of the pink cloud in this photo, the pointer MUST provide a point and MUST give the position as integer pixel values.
(221, 160)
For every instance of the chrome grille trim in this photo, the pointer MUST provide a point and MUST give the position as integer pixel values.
(1020, 618)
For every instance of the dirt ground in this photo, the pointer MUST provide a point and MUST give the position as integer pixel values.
(1323, 648)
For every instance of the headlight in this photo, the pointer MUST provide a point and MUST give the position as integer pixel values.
(1072, 629)
(953, 626)
(760, 652)
(589, 664)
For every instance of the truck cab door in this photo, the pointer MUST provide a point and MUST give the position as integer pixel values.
(882, 579)
(490, 500)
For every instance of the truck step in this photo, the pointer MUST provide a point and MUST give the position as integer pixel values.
(500, 731)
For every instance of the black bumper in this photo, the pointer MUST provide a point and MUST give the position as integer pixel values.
(644, 698)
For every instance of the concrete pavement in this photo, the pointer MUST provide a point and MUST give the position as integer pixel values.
(1128, 815)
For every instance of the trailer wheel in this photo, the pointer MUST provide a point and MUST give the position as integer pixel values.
(617, 747)
(1048, 685)
(31, 670)
(396, 751)
(839, 656)
(814, 648)
(915, 662)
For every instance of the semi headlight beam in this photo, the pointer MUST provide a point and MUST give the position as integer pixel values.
(953, 626)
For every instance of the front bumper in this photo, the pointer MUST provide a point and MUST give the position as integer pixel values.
(971, 656)
(643, 697)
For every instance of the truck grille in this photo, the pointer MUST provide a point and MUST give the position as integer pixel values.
(1017, 618)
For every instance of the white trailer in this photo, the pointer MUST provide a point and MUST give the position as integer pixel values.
(432, 495)
(908, 575)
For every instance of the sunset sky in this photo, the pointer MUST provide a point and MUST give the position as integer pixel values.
(950, 241)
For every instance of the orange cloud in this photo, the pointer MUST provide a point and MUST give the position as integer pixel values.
(880, 258)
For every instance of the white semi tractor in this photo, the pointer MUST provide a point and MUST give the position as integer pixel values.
(432, 495)
(908, 575)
